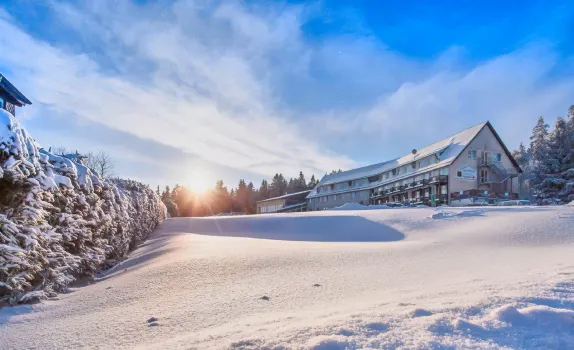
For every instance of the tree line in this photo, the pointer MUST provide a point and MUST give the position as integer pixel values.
(548, 161)
(181, 201)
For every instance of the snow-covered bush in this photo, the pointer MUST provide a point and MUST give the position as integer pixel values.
(59, 220)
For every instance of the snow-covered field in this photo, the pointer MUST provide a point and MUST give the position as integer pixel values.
(411, 278)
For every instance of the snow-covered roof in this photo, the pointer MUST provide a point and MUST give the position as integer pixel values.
(16, 97)
(447, 150)
(288, 195)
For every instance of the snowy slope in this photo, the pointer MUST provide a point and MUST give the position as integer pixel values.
(413, 278)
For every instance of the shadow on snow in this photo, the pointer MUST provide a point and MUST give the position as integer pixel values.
(288, 228)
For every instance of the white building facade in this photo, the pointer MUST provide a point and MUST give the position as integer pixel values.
(473, 164)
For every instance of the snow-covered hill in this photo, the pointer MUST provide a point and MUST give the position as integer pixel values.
(412, 278)
(59, 220)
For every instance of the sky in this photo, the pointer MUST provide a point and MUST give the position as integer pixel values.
(191, 92)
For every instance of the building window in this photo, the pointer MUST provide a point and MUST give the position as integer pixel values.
(394, 171)
(498, 157)
(472, 154)
(1, 102)
(414, 165)
(354, 195)
(374, 178)
(483, 176)
(458, 173)
(443, 189)
(443, 171)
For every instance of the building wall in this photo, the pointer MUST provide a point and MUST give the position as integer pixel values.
(337, 200)
(485, 140)
(270, 206)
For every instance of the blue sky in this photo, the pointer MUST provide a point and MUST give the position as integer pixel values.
(184, 91)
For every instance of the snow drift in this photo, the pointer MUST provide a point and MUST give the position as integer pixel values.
(59, 220)
(473, 278)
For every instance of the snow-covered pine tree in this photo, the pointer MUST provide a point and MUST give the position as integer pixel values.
(539, 151)
(522, 157)
(570, 131)
(559, 148)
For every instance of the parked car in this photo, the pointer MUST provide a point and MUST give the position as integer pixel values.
(514, 202)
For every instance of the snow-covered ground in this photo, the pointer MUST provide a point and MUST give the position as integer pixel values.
(412, 278)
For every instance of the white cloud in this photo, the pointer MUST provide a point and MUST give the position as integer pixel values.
(200, 97)
(241, 86)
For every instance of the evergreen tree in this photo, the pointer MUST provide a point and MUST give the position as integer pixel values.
(252, 198)
(242, 196)
(221, 199)
(166, 195)
(570, 131)
(157, 191)
(264, 190)
(312, 183)
(522, 157)
(559, 147)
(291, 185)
(539, 151)
(301, 184)
(278, 186)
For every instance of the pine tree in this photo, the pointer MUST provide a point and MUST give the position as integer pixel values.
(264, 190)
(278, 186)
(311, 185)
(559, 147)
(301, 184)
(251, 198)
(570, 131)
(166, 195)
(242, 196)
(291, 185)
(539, 151)
(522, 157)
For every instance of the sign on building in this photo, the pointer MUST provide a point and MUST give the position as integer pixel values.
(466, 173)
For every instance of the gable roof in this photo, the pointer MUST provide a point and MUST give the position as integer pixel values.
(14, 95)
(446, 150)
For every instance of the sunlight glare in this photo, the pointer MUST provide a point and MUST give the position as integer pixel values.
(199, 183)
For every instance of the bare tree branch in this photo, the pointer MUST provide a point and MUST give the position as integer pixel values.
(101, 162)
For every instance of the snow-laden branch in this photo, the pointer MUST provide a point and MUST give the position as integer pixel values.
(59, 220)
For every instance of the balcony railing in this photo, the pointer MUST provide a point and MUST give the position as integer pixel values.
(438, 179)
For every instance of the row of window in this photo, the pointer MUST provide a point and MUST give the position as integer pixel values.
(270, 208)
(341, 196)
(384, 176)
(420, 177)
(484, 155)
(417, 194)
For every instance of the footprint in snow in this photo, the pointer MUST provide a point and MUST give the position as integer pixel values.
(152, 320)
(316, 285)
(265, 297)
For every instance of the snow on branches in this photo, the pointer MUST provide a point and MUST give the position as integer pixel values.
(59, 220)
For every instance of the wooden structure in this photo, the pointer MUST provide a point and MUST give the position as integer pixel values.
(10, 96)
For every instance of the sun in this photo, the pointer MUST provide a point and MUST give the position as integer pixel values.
(199, 183)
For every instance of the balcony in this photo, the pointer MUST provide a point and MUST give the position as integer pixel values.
(442, 179)
(420, 183)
